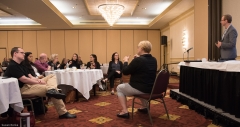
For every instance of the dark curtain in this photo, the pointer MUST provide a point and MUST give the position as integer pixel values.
(214, 28)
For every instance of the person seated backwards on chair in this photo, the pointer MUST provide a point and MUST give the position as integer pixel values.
(74, 61)
(93, 63)
(30, 85)
(143, 73)
(114, 71)
(41, 64)
(54, 62)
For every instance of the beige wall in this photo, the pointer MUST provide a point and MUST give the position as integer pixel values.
(83, 42)
(232, 8)
(201, 29)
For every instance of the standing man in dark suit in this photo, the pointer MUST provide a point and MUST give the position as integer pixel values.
(228, 42)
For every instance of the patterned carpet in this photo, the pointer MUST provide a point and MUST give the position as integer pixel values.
(101, 110)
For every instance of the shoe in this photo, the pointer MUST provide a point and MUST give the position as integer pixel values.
(112, 92)
(143, 110)
(126, 115)
(103, 81)
(67, 115)
(55, 94)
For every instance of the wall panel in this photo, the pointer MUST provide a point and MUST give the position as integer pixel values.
(99, 45)
(57, 44)
(127, 44)
(113, 43)
(3, 44)
(30, 42)
(43, 42)
(154, 38)
(85, 44)
(139, 35)
(71, 43)
(14, 40)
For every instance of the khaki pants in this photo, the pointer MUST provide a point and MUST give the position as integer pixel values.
(40, 90)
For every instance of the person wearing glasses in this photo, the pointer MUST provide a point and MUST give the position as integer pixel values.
(41, 64)
(30, 85)
(227, 44)
(114, 71)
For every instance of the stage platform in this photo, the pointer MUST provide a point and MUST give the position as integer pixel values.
(218, 116)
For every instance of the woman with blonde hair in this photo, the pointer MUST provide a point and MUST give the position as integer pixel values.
(143, 73)
(54, 63)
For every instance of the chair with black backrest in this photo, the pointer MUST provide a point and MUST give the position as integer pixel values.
(158, 93)
(30, 99)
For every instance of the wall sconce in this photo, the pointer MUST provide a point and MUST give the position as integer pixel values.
(185, 40)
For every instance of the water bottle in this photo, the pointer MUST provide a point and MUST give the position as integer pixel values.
(52, 67)
(67, 65)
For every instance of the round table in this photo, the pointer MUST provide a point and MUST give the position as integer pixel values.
(10, 94)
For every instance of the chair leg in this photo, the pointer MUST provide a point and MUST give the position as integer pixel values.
(165, 108)
(148, 105)
(31, 105)
(43, 105)
(133, 105)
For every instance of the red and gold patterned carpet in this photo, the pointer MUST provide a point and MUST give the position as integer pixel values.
(101, 110)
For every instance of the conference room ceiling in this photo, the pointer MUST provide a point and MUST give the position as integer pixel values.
(83, 14)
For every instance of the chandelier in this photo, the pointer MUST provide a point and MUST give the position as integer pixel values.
(111, 12)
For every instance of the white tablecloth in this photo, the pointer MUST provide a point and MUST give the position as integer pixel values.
(10, 94)
(230, 66)
(82, 80)
(104, 69)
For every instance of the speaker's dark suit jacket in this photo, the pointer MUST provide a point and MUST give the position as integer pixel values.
(228, 48)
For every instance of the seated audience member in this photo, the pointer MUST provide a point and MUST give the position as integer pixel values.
(143, 73)
(93, 63)
(5, 62)
(63, 64)
(54, 62)
(80, 61)
(30, 85)
(114, 71)
(41, 64)
(74, 61)
(1, 71)
(27, 62)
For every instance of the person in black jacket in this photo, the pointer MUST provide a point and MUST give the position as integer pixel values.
(27, 62)
(63, 64)
(143, 73)
(114, 71)
(74, 61)
(54, 63)
(93, 63)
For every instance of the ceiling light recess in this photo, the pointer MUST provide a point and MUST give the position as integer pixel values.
(111, 12)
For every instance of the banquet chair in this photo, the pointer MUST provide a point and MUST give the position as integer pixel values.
(30, 99)
(158, 93)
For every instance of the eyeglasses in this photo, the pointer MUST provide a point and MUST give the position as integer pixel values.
(21, 53)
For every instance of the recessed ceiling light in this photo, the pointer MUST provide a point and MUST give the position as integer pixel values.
(8, 8)
(73, 7)
(144, 8)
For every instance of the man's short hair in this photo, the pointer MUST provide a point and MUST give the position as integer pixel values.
(146, 46)
(228, 18)
(14, 49)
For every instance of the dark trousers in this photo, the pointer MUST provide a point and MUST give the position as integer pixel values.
(111, 76)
